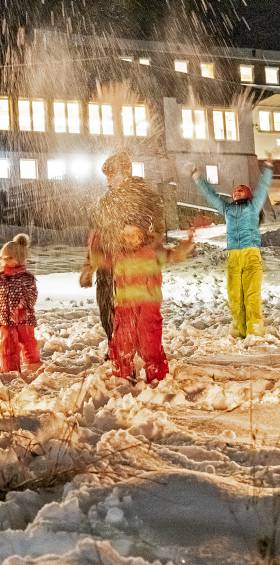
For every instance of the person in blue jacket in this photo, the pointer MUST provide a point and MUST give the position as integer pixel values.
(244, 267)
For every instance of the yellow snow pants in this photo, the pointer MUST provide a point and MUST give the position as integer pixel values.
(244, 279)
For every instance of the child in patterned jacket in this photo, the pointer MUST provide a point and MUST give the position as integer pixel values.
(18, 294)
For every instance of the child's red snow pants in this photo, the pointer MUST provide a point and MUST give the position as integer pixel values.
(13, 340)
(138, 329)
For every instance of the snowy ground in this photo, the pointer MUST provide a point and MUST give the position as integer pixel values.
(94, 470)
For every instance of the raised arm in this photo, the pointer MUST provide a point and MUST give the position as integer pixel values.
(261, 191)
(208, 191)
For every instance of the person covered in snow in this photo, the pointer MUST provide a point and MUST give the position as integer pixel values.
(244, 267)
(137, 324)
(18, 294)
(125, 194)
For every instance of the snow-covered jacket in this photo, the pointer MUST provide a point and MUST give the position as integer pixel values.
(18, 294)
(242, 218)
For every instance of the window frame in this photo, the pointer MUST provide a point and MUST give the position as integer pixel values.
(36, 168)
(66, 102)
(207, 64)
(208, 177)
(193, 113)
(135, 122)
(272, 121)
(8, 161)
(270, 68)
(31, 112)
(180, 61)
(252, 67)
(99, 106)
(223, 111)
(7, 98)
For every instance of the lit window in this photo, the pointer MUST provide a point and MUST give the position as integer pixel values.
(59, 117)
(246, 73)
(194, 124)
(264, 120)
(4, 168)
(56, 169)
(38, 115)
(138, 169)
(134, 121)
(31, 115)
(128, 59)
(4, 114)
(271, 75)
(107, 119)
(28, 169)
(231, 129)
(81, 167)
(207, 70)
(187, 123)
(181, 66)
(212, 174)
(218, 121)
(66, 117)
(276, 121)
(225, 125)
(144, 61)
(24, 115)
(278, 142)
(100, 119)
(73, 114)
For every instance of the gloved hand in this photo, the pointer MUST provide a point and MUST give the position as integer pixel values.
(86, 277)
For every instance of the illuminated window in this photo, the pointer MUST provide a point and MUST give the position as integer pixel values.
(246, 73)
(194, 124)
(271, 75)
(181, 65)
(225, 125)
(134, 121)
(56, 169)
(231, 126)
(212, 174)
(207, 70)
(264, 120)
(128, 59)
(276, 121)
(4, 114)
(28, 169)
(144, 61)
(31, 115)
(100, 119)
(66, 117)
(138, 169)
(4, 168)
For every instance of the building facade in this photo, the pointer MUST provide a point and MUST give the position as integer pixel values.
(74, 101)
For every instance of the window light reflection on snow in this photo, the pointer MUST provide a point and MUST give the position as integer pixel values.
(4, 114)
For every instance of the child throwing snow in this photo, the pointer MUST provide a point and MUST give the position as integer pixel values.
(138, 321)
(18, 294)
(244, 268)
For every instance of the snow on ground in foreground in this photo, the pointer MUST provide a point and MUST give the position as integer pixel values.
(94, 470)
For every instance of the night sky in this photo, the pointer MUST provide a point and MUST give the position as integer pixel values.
(252, 23)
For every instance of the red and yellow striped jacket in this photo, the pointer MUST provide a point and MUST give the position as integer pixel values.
(138, 277)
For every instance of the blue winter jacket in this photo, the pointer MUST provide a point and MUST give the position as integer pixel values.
(242, 219)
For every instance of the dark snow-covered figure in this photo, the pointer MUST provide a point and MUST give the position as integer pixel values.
(128, 200)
